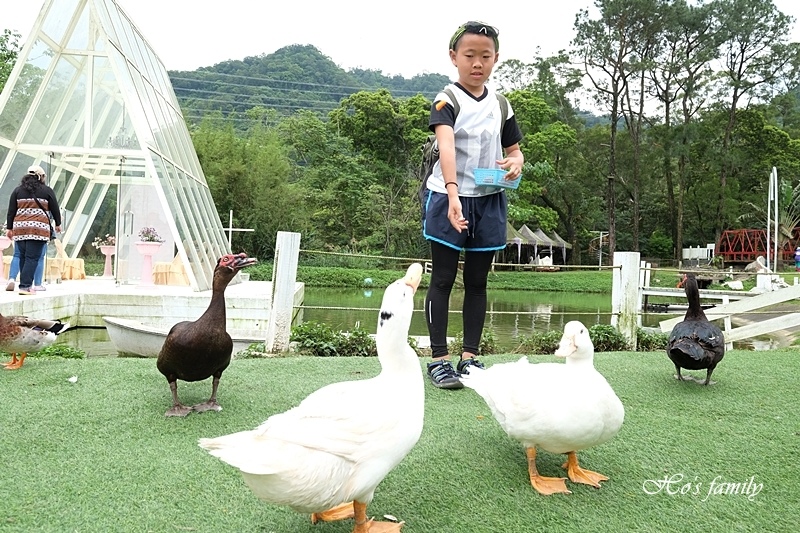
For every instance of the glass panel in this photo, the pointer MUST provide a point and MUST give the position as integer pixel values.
(25, 89)
(120, 21)
(57, 20)
(130, 47)
(151, 105)
(117, 37)
(106, 104)
(199, 238)
(168, 130)
(167, 180)
(146, 64)
(106, 22)
(141, 97)
(81, 218)
(59, 85)
(139, 207)
(71, 115)
(13, 179)
(79, 40)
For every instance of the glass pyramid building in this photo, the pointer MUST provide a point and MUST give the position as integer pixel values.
(90, 102)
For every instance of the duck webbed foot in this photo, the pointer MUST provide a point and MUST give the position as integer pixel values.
(340, 512)
(178, 410)
(371, 526)
(544, 485)
(579, 475)
(15, 363)
(12, 362)
(378, 527)
(210, 405)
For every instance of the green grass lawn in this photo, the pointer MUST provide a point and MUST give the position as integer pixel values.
(98, 455)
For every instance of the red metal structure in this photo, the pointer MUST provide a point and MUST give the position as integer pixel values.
(745, 245)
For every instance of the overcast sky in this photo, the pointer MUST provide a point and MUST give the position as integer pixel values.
(405, 38)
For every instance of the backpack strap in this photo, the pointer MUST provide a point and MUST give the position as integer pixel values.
(500, 98)
(452, 96)
(503, 111)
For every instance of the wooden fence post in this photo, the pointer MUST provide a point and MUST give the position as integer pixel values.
(284, 277)
(625, 295)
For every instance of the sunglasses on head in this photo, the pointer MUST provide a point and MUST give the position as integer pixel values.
(473, 26)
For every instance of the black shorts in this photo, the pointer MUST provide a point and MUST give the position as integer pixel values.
(486, 215)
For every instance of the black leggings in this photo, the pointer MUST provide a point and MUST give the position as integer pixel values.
(437, 301)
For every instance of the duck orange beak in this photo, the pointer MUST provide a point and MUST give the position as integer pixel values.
(566, 347)
(413, 276)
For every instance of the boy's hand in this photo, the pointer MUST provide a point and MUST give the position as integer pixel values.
(513, 166)
(455, 217)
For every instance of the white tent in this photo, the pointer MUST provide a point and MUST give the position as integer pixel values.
(90, 101)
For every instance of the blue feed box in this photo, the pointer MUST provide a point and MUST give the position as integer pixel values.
(494, 177)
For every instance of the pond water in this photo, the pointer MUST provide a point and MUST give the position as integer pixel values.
(511, 315)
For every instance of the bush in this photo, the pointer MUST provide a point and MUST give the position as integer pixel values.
(59, 350)
(487, 345)
(651, 341)
(541, 343)
(321, 340)
(606, 338)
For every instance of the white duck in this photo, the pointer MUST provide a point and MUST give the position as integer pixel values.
(327, 455)
(560, 408)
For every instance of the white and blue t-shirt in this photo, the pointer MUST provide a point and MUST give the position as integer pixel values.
(477, 137)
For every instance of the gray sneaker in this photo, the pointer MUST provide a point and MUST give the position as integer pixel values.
(443, 375)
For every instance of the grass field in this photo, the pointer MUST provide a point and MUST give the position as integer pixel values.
(98, 455)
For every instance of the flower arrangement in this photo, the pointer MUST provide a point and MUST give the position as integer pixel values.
(108, 240)
(149, 235)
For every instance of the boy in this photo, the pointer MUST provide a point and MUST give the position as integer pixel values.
(458, 214)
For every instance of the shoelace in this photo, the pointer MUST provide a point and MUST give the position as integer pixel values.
(443, 370)
(466, 363)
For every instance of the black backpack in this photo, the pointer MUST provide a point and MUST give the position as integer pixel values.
(430, 149)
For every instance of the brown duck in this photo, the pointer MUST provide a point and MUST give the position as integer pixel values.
(21, 335)
(194, 351)
(695, 343)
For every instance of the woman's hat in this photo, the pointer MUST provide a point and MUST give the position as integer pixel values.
(36, 169)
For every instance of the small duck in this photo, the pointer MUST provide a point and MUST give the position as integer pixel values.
(21, 335)
(695, 343)
(194, 351)
(327, 455)
(560, 408)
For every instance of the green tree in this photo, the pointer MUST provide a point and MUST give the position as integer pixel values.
(250, 175)
(681, 75)
(9, 50)
(606, 47)
(756, 54)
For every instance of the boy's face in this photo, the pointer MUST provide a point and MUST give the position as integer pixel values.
(474, 57)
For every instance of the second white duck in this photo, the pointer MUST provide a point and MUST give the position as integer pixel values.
(327, 455)
(560, 408)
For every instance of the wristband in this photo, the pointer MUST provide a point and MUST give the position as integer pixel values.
(451, 183)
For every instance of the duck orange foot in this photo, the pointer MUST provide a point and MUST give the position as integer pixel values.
(580, 475)
(15, 363)
(378, 527)
(340, 512)
(358, 511)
